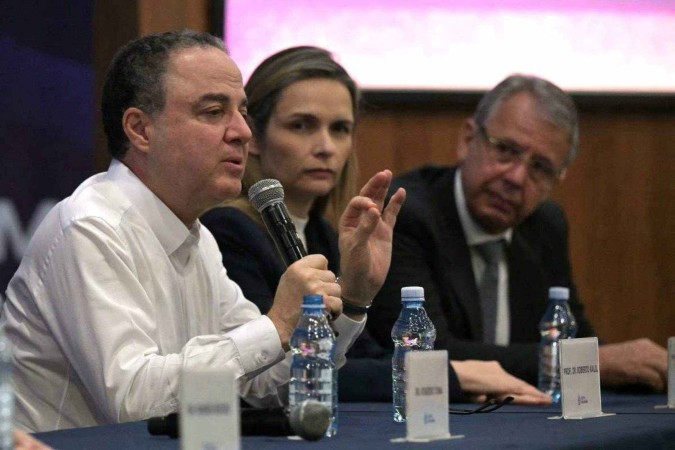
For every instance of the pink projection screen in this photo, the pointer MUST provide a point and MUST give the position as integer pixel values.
(586, 46)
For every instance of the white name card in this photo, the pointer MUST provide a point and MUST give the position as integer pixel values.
(580, 378)
(427, 416)
(209, 410)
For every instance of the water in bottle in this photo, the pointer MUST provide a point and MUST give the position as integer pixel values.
(6, 394)
(557, 323)
(413, 331)
(313, 372)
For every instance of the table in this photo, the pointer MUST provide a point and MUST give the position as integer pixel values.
(636, 425)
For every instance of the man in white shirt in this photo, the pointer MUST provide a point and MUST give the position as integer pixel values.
(121, 288)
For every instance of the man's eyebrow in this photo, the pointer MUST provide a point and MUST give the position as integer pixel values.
(535, 153)
(220, 98)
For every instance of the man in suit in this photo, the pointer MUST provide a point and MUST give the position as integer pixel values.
(514, 150)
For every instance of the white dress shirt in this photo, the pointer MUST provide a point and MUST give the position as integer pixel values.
(475, 235)
(115, 296)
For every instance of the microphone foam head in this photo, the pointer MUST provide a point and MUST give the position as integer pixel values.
(265, 192)
(310, 420)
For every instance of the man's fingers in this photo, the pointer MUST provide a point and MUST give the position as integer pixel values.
(316, 261)
(533, 394)
(364, 215)
(393, 207)
(376, 188)
(527, 399)
(479, 398)
(356, 206)
(333, 305)
(524, 388)
(651, 377)
(639, 361)
(322, 283)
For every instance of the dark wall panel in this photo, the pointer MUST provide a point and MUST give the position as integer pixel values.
(46, 123)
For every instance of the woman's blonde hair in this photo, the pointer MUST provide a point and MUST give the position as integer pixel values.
(263, 90)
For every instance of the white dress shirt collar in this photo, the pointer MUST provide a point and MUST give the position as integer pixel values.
(170, 231)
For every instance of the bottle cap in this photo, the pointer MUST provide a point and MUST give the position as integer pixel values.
(312, 301)
(409, 293)
(559, 293)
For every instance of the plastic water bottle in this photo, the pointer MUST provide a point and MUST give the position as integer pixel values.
(557, 323)
(413, 331)
(313, 372)
(6, 394)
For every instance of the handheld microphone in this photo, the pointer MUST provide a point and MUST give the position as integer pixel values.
(267, 197)
(309, 420)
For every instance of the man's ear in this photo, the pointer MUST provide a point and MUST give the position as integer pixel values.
(468, 132)
(136, 124)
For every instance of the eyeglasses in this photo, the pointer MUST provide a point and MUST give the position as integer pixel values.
(489, 406)
(507, 153)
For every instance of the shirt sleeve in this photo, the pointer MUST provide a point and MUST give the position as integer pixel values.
(346, 329)
(254, 264)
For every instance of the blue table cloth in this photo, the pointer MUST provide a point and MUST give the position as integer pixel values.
(636, 425)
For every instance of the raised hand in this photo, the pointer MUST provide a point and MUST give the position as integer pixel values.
(366, 231)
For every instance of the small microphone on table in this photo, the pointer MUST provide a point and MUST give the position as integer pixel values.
(309, 420)
(267, 197)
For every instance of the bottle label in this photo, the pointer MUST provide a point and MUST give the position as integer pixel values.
(311, 383)
(410, 341)
(326, 389)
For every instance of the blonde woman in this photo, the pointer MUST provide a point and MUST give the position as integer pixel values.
(303, 109)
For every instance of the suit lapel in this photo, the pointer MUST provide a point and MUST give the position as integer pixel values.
(527, 293)
(527, 285)
(455, 252)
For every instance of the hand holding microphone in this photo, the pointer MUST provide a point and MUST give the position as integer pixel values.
(366, 234)
(305, 274)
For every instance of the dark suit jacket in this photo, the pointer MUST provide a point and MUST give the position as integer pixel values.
(430, 250)
(252, 261)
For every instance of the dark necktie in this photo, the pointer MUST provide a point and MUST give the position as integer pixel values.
(488, 289)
